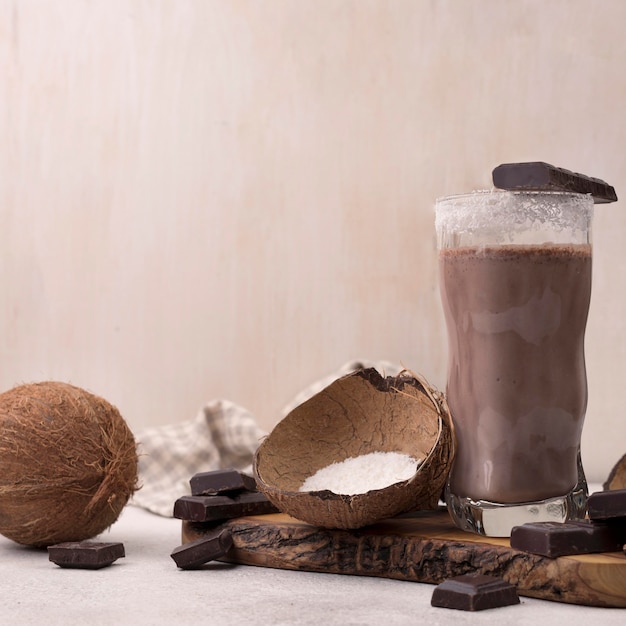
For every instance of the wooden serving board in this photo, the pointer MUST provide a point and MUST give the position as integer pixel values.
(423, 547)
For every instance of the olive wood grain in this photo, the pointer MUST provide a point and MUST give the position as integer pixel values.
(422, 547)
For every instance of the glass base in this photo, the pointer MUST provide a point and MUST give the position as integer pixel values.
(497, 520)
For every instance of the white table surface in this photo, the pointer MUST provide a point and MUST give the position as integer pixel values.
(146, 587)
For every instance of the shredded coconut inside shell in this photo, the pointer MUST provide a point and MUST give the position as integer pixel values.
(363, 473)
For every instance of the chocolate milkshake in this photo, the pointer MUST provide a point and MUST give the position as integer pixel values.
(516, 317)
(515, 281)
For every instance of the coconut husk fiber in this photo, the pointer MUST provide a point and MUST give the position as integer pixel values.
(68, 464)
(357, 414)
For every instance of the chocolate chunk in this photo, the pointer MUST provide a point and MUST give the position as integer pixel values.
(474, 592)
(214, 508)
(208, 548)
(220, 481)
(607, 505)
(85, 554)
(554, 539)
(539, 176)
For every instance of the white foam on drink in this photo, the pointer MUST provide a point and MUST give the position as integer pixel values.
(512, 217)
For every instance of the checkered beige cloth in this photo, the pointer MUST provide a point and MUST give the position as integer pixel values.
(222, 435)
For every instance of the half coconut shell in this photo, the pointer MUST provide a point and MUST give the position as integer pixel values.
(360, 413)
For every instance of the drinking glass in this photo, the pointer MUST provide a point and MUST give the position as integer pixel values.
(515, 284)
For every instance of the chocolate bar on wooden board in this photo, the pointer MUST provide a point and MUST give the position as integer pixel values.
(474, 592)
(607, 505)
(554, 539)
(85, 554)
(222, 507)
(220, 481)
(208, 548)
(540, 176)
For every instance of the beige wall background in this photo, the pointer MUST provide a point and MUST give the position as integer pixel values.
(229, 199)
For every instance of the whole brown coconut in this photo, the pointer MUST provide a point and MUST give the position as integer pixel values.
(358, 414)
(68, 464)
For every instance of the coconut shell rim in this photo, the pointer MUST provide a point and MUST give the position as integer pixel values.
(341, 496)
(290, 502)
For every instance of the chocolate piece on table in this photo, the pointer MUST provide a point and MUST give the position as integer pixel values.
(221, 481)
(554, 539)
(85, 554)
(214, 508)
(539, 176)
(474, 592)
(208, 548)
(607, 505)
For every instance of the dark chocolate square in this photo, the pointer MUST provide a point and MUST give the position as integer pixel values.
(220, 481)
(540, 176)
(607, 505)
(85, 554)
(208, 548)
(222, 507)
(554, 539)
(474, 592)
